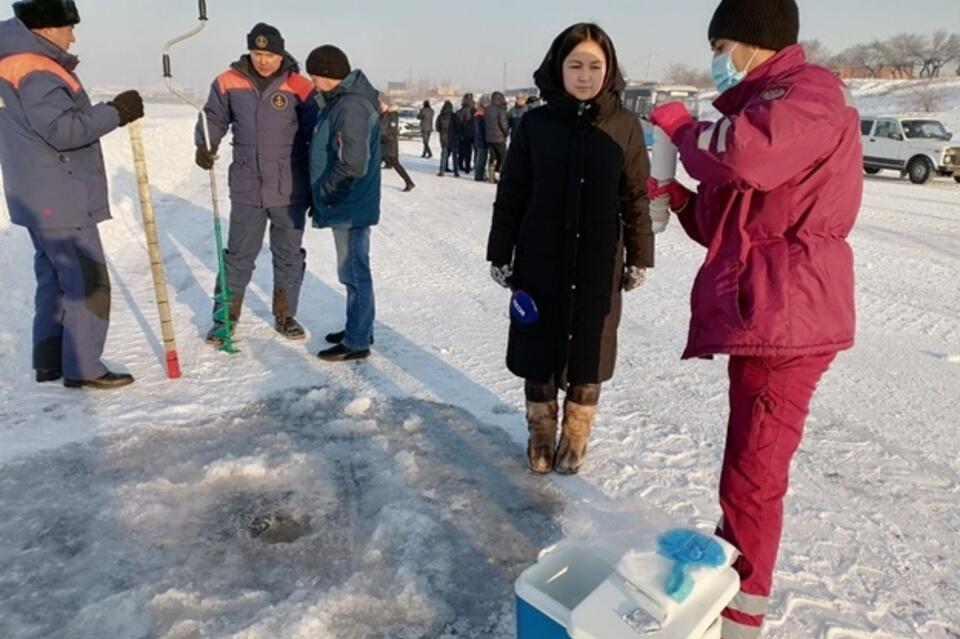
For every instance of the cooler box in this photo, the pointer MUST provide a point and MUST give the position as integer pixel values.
(575, 592)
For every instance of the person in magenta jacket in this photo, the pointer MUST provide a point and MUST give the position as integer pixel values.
(780, 187)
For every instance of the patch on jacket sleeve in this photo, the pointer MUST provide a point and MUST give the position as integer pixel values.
(3, 105)
(776, 93)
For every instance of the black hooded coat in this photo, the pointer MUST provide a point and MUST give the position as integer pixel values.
(571, 210)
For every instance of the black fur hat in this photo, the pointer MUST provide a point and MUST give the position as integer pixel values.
(39, 14)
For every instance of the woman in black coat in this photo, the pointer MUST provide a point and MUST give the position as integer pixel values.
(571, 228)
(451, 131)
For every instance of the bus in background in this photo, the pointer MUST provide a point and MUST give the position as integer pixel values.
(643, 98)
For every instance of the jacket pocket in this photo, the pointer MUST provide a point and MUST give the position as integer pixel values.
(241, 176)
(762, 288)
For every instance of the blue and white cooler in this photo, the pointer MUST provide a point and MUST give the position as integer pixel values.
(672, 588)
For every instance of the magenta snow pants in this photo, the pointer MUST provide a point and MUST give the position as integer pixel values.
(769, 402)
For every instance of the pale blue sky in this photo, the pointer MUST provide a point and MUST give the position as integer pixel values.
(464, 42)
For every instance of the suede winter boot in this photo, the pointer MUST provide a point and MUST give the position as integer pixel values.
(577, 425)
(542, 428)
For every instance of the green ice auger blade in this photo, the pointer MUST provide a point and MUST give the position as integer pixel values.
(224, 296)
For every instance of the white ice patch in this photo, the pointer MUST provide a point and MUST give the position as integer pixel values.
(412, 424)
(311, 402)
(358, 407)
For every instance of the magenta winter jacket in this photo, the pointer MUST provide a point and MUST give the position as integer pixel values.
(781, 180)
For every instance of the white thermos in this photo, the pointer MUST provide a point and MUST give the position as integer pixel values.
(663, 170)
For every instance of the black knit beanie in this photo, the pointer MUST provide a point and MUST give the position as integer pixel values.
(39, 14)
(328, 62)
(768, 24)
(264, 37)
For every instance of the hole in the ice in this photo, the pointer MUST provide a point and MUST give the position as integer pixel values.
(279, 528)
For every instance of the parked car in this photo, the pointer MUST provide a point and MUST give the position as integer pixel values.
(642, 98)
(915, 146)
(409, 124)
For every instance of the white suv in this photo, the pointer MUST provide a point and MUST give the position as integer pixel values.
(914, 146)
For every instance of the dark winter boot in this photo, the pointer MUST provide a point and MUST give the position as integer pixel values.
(289, 328)
(336, 338)
(341, 353)
(215, 334)
(577, 425)
(409, 187)
(542, 441)
(48, 375)
(106, 382)
(236, 306)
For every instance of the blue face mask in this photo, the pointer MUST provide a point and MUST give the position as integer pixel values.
(725, 73)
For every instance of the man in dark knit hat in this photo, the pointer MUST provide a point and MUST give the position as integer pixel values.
(271, 109)
(780, 188)
(55, 186)
(345, 180)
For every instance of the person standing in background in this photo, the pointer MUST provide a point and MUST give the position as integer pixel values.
(426, 128)
(467, 109)
(390, 143)
(497, 131)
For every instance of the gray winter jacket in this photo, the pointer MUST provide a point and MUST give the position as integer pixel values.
(426, 120)
(271, 133)
(495, 118)
(53, 171)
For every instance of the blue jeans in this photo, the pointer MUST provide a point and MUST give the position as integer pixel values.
(353, 270)
(480, 168)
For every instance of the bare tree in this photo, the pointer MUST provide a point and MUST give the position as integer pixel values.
(685, 74)
(944, 48)
(871, 57)
(817, 52)
(906, 52)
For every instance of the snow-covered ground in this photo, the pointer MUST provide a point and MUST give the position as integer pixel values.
(407, 511)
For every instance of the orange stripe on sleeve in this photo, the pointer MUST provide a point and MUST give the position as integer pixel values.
(298, 85)
(232, 81)
(14, 69)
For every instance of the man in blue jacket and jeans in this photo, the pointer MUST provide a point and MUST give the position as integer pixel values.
(271, 109)
(56, 187)
(345, 180)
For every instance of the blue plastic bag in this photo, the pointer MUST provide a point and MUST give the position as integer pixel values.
(688, 549)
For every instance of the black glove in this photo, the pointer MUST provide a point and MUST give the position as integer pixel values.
(204, 158)
(129, 105)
